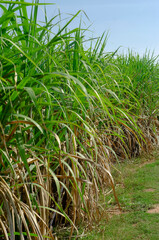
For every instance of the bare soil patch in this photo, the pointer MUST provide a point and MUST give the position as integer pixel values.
(114, 211)
(149, 190)
(145, 163)
(155, 209)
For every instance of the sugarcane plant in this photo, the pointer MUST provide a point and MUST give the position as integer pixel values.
(66, 114)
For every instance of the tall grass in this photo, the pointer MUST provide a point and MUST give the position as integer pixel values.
(65, 114)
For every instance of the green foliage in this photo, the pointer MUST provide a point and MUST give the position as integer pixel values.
(142, 73)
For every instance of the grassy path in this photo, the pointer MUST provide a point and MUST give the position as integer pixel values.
(138, 192)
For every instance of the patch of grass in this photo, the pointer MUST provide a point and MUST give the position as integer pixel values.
(128, 226)
(135, 222)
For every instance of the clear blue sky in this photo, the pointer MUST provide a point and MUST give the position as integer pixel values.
(131, 24)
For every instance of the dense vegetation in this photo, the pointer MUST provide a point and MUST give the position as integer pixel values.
(66, 114)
